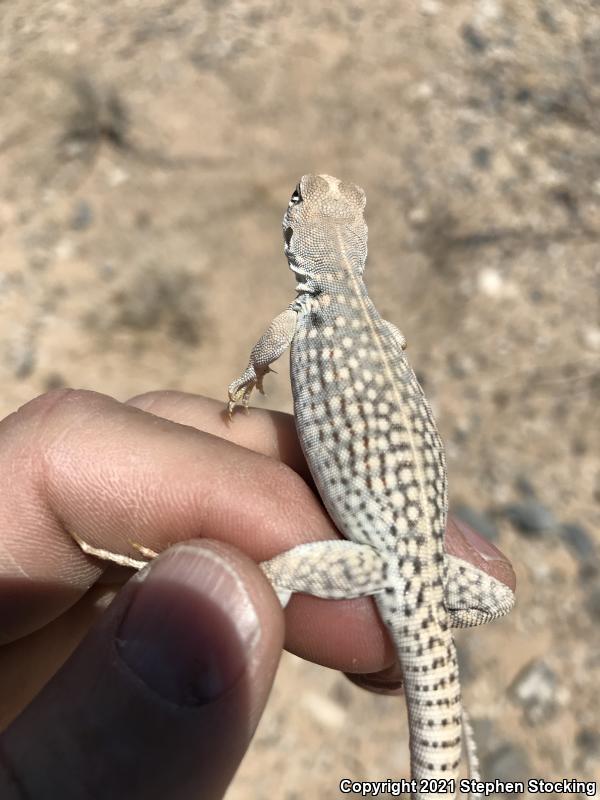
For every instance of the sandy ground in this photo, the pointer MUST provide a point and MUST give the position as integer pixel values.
(147, 152)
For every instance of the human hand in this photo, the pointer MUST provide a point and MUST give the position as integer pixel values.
(113, 472)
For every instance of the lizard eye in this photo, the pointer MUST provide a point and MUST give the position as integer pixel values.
(296, 196)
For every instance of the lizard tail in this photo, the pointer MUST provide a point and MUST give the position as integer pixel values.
(471, 751)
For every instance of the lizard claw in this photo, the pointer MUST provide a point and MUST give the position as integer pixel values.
(147, 552)
(240, 390)
(261, 376)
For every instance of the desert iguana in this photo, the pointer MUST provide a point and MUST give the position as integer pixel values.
(376, 457)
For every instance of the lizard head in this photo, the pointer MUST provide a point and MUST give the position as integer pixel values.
(323, 229)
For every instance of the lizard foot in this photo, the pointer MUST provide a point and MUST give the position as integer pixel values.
(240, 390)
(116, 558)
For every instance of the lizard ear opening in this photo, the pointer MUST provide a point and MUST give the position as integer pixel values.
(288, 235)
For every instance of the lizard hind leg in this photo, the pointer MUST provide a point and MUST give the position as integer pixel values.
(472, 597)
(116, 558)
(147, 552)
(332, 569)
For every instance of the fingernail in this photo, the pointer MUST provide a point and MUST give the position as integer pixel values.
(190, 627)
(485, 549)
(388, 681)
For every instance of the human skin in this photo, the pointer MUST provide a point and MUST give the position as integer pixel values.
(164, 468)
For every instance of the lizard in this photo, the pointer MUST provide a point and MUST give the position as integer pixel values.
(377, 460)
(372, 446)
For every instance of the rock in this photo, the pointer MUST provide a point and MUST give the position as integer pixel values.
(478, 520)
(490, 282)
(591, 338)
(481, 157)
(578, 540)
(54, 380)
(530, 517)
(486, 735)
(587, 741)
(430, 7)
(82, 216)
(592, 601)
(589, 571)
(474, 40)
(535, 690)
(523, 95)
(524, 486)
(507, 763)
(21, 356)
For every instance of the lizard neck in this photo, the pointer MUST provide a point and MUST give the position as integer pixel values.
(335, 279)
(338, 271)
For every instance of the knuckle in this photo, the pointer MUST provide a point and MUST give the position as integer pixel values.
(23, 438)
(34, 427)
(55, 402)
(148, 401)
(39, 432)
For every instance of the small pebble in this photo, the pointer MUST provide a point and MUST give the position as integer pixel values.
(524, 486)
(486, 735)
(507, 763)
(591, 338)
(54, 380)
(325, 711)
(82, 216)
(587, 741)
(592, 600)
(535, 690)
(490, 282)
(481, 157)
(530, 517)
(473, 39)
(22, 358)
(578, 540)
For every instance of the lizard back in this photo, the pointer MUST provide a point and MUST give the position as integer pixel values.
(374, 451)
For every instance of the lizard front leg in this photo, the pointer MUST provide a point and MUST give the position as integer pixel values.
(271, 345)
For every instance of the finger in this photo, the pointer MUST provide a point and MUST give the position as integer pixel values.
(273, 434)
(112, 474)
(84, 462)
(28, 663)
(464, 542)
(162, 697)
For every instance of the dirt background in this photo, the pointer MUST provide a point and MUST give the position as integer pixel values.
(147, 152)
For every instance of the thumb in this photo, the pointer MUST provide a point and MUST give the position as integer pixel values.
(163, 695)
